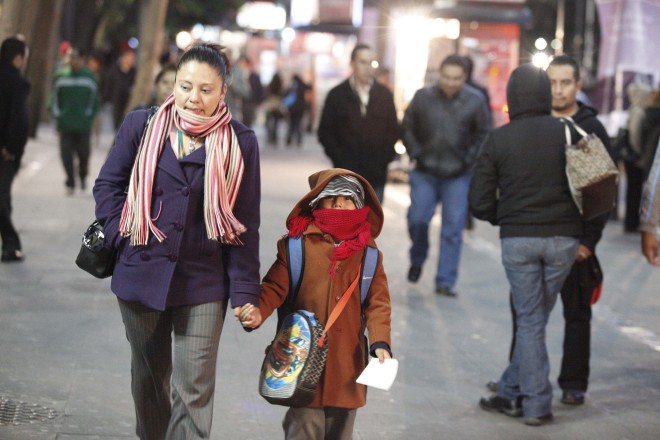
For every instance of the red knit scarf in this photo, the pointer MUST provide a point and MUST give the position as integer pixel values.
(348, 225)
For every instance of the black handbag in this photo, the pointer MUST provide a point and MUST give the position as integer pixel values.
(94, 257)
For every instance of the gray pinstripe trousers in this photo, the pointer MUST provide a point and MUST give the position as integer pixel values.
(173, 384)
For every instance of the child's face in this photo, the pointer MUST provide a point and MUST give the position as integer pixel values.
(337, 202)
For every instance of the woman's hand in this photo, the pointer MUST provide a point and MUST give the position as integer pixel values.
(382, 354)
(248, 315)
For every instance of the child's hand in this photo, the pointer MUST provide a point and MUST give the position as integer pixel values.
(382, 354)
(248, 315)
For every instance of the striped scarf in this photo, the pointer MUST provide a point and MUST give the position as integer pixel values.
(222, 175)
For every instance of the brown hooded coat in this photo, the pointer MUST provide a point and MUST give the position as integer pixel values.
(319, 294)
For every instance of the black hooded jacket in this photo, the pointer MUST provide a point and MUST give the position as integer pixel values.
(519, 180)
(14, 91)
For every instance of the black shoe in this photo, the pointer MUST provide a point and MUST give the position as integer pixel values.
(413, 273)
(572, 397)
(12, 256)
(512, 408)
(538, 421)
(446, 291)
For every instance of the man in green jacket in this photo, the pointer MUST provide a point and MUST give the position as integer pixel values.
(74, 103)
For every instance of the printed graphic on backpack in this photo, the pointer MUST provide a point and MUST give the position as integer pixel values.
(294, 363)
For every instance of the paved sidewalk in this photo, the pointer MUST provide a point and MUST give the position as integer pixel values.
(63, 351)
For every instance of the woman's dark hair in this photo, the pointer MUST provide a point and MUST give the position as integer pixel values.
(211, 54)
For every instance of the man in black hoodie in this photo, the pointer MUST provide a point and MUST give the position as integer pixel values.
(564, 75)
(14, 90)
(519, 183)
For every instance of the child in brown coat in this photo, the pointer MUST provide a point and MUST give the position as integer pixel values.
(337, 219)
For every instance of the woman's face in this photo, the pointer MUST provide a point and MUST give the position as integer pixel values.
(199, 88)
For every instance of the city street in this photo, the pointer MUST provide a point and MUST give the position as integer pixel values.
(64, 358)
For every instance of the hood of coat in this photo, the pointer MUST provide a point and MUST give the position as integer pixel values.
(528, 92)
(317, 182)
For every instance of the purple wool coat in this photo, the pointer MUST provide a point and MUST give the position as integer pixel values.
(186, 268)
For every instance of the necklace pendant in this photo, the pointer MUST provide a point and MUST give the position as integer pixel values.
(193, 144)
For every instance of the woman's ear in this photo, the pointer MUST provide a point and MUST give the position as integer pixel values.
(223, 93)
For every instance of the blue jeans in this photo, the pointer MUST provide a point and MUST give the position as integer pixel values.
(426, 191)
(536, 268)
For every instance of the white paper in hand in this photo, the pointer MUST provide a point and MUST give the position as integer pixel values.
(379, 375)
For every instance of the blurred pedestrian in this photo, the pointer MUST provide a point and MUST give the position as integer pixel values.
(294, 101)
(186, 233)
(443, 128)
(483, 91)
(651, 129)
(74, 102)
(163, 86)
(638, 95)
(239, 89)
(650, 212)
(95, 62)
(273, 108)
(14, 90)
(255, 96)
(120, 84)
(576, 293)
(359, 125)
(520, 185)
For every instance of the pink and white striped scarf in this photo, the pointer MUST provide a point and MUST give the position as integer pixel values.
(222, 176)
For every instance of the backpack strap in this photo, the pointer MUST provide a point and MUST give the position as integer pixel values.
(369, 264)
(296, 257)
(296, 267)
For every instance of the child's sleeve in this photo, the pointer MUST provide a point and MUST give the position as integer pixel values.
(275, 285)
(377, 309)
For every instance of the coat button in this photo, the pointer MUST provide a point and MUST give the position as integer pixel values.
(178, 227)
(337, 298)
(159, 191)
(185, 191)
(144, 256)
(172, 258)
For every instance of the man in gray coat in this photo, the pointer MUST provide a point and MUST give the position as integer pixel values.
(443, 128)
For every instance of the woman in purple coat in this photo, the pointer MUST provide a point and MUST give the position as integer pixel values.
(179, 198)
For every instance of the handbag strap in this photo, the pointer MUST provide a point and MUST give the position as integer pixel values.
(339, 308)
(577, 128)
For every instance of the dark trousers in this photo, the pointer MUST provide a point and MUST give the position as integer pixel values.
(576, 299)
(74, 144)
(10, 240)
(574, 374)
(635, 181)
(295, 129)
(273, 118)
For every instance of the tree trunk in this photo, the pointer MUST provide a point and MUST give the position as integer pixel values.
(42, 55)
(11, 10)
(152, 24)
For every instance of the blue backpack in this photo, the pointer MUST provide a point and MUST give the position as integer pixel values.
(296, 257)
